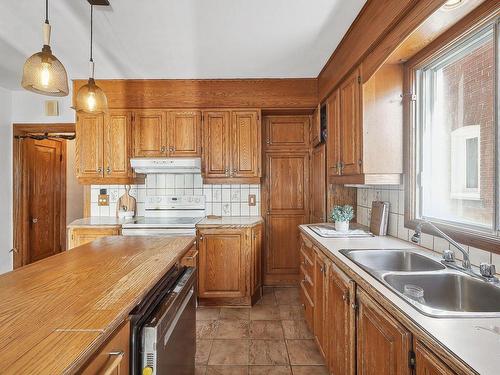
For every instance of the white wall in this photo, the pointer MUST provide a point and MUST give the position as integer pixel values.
(28, 107)
(5, 181)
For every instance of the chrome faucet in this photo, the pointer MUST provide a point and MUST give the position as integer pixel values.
(448, 255)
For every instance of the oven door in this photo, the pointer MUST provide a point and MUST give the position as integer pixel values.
(170, 232)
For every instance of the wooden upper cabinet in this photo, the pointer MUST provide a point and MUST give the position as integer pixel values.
(333, 140)
(246, 155)
(350, 134)
(383, 344)
(184, 133)
(216, 144)
(150, 133)
(287, 132)
(89, 145)
(117, 144)
(316, 126)
(340, 325)
(318, 184)
(222, 263)
(427, 363)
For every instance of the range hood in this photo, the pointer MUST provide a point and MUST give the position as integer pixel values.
(166, 165)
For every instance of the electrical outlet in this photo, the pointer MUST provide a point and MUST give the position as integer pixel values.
(103, 199)
(252, 200)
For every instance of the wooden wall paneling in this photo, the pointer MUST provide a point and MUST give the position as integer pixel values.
(333, 140)
(372, 23)
(318, 184)
(216, 93)
(184, 133)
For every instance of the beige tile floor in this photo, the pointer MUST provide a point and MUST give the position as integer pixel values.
(270, 338)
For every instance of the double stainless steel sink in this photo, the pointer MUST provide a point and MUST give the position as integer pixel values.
(428, 285)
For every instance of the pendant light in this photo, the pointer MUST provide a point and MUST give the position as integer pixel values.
(90, 97)
(43, 73)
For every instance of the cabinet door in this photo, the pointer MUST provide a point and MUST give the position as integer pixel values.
(287, 132)
(246, 144)
(117, 144)
(350, 125)
(150, 133)
(320, 285)
(383, 344)
(81, 236)
(256, 275)
(316, 126)
(216, 143)
(222, 263)
(340, 327)
(318, 184)
(333, 140)
(184, 133)
(427, 363)
(308, 306)
(89, 145)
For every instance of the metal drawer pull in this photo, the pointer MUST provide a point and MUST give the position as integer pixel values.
(115, 360)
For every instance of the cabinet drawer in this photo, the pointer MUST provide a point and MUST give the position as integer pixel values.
(308, 306)
(306, 265)
(307, 247)
(308, 287)
(113, 357)
(191, 258)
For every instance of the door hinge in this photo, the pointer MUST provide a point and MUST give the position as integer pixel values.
(359, 79)
(360, 162)
(411, 359)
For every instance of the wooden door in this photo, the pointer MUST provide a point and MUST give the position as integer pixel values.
(89, 145)
(427, 363)
(222, 263)
(46, 198)
(340, 327)
(333, 140)
(184, 133)
(350, 125)
(246, 144)
(287, 132)
(150, 133)
(118, 144)
(383, 344)
(318, 184)
(320, 289)
(287, 207)
(216, 144)
(256, 278)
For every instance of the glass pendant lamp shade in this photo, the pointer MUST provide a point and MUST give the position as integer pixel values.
(91, 99)
(43, 73)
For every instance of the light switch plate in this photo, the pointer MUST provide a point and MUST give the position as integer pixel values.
(252, 200)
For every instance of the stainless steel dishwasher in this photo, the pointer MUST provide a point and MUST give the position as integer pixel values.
(165, 336)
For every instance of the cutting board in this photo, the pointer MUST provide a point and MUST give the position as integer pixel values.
(126, 202)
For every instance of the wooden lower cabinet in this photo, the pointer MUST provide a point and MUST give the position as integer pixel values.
(227, 273)
(114, 357)
(320, 295)
(383, 344)
(78, 236)
(427, 363)
(340, 324)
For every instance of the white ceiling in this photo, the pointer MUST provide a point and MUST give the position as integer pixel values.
(178, 38)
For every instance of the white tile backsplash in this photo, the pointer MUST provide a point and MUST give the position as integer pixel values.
(225, 200)
(396, 228)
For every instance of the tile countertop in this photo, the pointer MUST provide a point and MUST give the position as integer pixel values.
(99, 221)
(230, 222)
(472, 339)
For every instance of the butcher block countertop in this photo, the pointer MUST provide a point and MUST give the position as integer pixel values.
(99, 221)
(57, 312)
(230, 222)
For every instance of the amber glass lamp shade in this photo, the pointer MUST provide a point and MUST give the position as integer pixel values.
(91, 99)
(43, 73)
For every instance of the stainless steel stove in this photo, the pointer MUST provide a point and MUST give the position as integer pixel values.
(169, 215)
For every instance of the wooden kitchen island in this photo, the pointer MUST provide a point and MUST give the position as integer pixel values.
(57, 314)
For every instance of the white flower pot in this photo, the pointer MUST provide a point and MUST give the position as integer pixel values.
(342, 226)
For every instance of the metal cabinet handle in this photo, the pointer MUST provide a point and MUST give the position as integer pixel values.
(34, 220)
(344, 297)
(163, 148)
(108, 170)
(226, 172)
(99, 170)
(201, 238)
(233, 173)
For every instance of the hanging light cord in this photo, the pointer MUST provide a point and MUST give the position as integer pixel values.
(46, 11)
(91, 30)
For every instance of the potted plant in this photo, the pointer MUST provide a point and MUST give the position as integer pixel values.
(342, 215)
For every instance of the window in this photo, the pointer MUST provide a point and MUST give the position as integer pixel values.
(456, 134)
